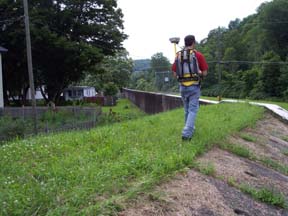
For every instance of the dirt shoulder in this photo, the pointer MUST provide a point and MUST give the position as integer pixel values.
(222, 189)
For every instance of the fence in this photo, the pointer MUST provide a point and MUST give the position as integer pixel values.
(26, 112)
(20, 123)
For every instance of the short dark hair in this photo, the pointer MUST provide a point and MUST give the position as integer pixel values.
(189, 40)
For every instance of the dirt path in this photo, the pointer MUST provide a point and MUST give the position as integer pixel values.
(220, 190)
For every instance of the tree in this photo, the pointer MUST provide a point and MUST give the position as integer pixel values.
(69, 37)
(271, 73)
(273, 18)
(116, 69)
(160, 63)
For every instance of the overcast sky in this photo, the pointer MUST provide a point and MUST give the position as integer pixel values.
(150, 23)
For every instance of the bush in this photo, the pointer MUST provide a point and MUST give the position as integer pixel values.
(110, 89)
(11, 128)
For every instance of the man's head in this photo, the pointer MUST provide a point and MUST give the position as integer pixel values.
(189, 40)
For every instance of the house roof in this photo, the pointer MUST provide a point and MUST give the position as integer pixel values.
(79, 87)
(2, 49)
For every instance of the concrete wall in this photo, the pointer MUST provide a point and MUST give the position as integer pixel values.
(151, 102)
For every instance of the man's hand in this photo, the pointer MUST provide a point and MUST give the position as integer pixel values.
(202, 73)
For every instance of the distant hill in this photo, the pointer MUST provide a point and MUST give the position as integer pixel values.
(141, 65)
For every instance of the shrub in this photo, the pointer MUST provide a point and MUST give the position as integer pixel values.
(11, 128)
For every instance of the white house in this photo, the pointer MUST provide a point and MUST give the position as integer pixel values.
(79, 92)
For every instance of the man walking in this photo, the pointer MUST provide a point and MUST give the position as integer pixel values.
(189, 67)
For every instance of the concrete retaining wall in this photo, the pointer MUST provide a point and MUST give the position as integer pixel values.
(152, 102)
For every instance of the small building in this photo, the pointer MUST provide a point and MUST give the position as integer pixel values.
(38, 94)
(79, 92)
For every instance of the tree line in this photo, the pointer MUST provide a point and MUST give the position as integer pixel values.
(250, 57)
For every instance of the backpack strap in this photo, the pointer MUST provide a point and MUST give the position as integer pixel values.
(188, 62)
(182, 63)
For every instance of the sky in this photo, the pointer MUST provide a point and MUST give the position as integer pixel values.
(150, 23)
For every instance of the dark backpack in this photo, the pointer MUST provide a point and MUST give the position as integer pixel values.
(187, 68)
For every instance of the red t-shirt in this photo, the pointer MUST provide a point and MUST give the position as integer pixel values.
(201, 61)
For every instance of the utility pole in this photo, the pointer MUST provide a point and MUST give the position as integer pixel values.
(30, 66)
(219, 55)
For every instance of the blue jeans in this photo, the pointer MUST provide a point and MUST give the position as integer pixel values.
(190, 96)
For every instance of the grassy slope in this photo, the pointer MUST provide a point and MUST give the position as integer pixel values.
(89, 172)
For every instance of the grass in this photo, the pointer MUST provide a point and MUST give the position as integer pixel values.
(237, 150)
(265, 195)
(124, 110)
(275, 165)
(248, 137)
(244, 152)
(206, 169)
(285, 151)
(92, 172)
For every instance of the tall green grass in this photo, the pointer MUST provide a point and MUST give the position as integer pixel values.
(124, 110)
(90, 173)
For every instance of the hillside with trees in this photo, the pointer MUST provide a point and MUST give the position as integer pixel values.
(250, 57)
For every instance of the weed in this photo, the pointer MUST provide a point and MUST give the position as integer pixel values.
(237, 150)
(248, 137)
(285, 152)
(207, 169)
(275, 165)
(231, 181)
(265, 195)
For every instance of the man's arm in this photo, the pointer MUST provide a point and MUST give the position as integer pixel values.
(173, 68)
(203, 66)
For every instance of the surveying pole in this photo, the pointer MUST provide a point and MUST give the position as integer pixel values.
(175, 40)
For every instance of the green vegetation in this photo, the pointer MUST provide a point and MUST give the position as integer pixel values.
(92, 172)
(50, 120)
(265, 195)
(63, 119)
(285, 152)
(206, 169)
(124, 110)
(248, 137)
(246, 153)
(237, 150)
(275, 165)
